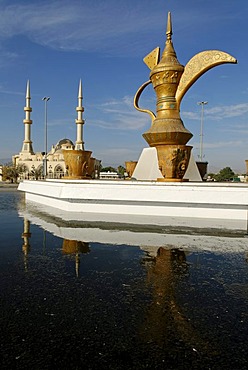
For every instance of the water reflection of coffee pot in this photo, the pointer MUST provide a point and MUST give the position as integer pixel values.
(165, 314)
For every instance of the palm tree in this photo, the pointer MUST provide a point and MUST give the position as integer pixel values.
(12, 173)
(36, 172)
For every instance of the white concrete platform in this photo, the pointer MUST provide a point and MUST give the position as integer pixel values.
(187, 204)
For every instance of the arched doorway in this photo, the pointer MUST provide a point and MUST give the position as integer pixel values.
(58, 172)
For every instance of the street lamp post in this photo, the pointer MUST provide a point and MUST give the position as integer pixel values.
(45, 99)
(202, 103)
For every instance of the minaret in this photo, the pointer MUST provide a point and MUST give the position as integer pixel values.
(27, 143)
(77, 263)
(79, 144)
(26, 235)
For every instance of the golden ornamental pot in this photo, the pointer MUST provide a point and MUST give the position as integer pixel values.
(76, 162)
(130, 167)
(173, 161)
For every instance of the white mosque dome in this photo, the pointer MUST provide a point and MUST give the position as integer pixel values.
(64, 144)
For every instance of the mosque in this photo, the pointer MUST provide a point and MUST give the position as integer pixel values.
(32, 163)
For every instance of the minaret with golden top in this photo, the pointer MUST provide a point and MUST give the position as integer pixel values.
(170, 81)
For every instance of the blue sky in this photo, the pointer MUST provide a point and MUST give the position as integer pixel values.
(55, 43)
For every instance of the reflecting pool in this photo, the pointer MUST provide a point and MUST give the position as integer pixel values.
(88, 296)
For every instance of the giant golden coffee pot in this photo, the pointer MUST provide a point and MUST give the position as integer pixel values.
(171, 80)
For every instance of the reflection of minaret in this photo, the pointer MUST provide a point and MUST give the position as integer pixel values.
(77, 263)
(75, 247)
(79, 144)
(26, 246)
(27, 143)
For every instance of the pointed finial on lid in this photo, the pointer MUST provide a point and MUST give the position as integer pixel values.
(169, 27)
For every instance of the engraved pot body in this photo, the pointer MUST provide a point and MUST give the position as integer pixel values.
(173, 161)
(76, 162)
(130, 167)
(90, 171)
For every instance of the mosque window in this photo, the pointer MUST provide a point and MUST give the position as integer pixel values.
(58, 172)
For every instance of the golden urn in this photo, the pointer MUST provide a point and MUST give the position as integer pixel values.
(130, 167)
(170, 81)
(76, 162)
(90, 173)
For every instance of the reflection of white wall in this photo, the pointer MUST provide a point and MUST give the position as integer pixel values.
(145, 239)
(147, 167)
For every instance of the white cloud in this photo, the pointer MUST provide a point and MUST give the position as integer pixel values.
(61, 122)
(121, 115)
(229, 111)
(219, 112)
(3, 90)
(75, 25)
(221, 144)
(190, 115)
(237, 130)
(109, 27)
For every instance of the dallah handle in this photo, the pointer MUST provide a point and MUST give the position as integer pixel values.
(136, 100)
